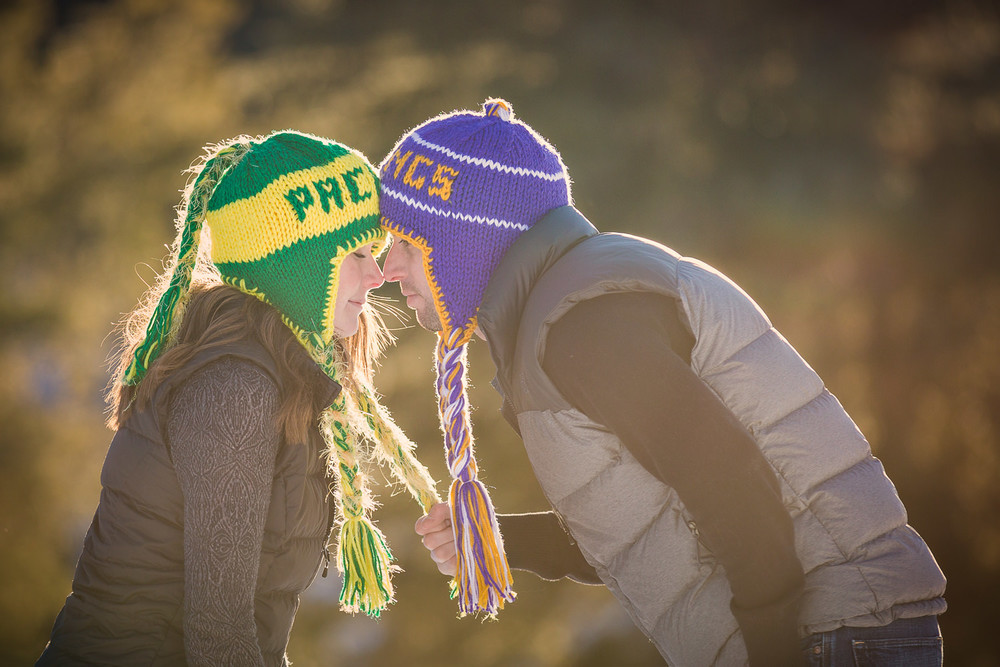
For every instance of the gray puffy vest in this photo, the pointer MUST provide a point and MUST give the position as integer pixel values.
(127, 604)
(864, 565)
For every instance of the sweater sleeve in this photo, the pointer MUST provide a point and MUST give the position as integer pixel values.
(223, 439)
(640, 385)
(538, 542)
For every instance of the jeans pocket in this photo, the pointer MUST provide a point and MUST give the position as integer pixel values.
(908, 652)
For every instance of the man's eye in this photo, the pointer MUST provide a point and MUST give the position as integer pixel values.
(359, 254)
(403, 242)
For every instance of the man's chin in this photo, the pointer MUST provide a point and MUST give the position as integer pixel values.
(428, 321)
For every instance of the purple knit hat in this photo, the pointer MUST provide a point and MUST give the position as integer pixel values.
(463, 187)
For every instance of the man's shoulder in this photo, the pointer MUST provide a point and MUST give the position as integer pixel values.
(601, 264)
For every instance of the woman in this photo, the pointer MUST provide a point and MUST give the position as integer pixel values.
(242, 387)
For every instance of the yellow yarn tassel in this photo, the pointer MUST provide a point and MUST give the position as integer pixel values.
(363, 558)
(364, 562)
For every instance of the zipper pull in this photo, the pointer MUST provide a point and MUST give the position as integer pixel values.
(326, 561)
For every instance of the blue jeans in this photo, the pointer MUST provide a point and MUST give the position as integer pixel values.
(909, 642)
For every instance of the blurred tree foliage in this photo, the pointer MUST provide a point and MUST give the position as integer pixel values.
(839, 160)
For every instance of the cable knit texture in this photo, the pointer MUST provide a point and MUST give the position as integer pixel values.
(224, 442)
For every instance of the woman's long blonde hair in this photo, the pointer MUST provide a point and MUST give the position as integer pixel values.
(217, 315)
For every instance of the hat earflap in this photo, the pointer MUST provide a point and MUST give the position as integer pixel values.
(483, 579)
(169, 310)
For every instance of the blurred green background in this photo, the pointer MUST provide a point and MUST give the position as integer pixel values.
(838, 160)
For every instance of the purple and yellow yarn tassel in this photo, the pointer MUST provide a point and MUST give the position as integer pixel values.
(483, 581)
(483, 578)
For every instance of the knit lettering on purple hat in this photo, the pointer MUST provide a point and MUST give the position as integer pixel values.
(464, 186)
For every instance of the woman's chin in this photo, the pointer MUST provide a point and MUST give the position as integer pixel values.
(346, 330)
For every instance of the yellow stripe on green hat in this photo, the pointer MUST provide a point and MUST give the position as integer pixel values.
(296, 206)
(283, 219)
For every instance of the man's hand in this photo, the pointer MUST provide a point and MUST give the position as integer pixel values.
(439, 538)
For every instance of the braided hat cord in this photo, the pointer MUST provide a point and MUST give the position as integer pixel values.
(392, 446)
(463, 187)
(483, 577)
(170, 308)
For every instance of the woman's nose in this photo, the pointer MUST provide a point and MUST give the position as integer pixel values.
(373, 274)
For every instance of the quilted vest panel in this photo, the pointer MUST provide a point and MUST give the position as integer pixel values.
(126, 607)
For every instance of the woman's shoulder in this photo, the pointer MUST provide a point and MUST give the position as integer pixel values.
(245, 354)
(231, 385)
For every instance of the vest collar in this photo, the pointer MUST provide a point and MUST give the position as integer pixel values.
(325, 389)
(511, 283)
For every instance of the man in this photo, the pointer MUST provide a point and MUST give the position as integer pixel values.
(703, 471)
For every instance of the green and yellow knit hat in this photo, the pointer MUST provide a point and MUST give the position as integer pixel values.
(284, 217)
(284, 211)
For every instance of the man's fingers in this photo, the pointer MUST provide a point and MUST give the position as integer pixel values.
(434, 540)
(444, 553)
(440, 512)
(437, 519)
(438, 538)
